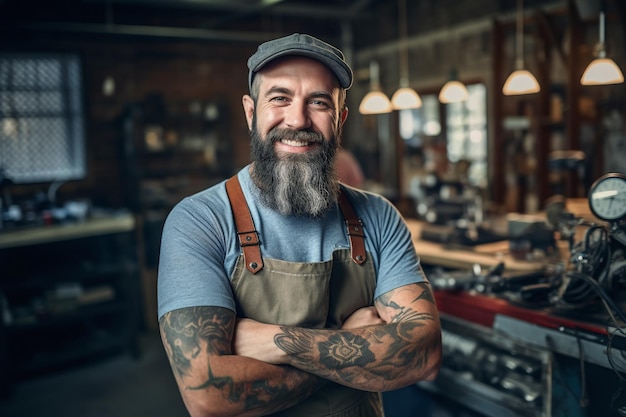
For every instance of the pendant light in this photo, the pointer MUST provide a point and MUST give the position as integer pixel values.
(375, 102)
(404, 97)
(453, 91)
(602, 70)
(520, 81)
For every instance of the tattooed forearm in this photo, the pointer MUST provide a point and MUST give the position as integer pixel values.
(253, 394)
(339, 350)
(184, 329)
(194, 339)
(378, 353)
(407, 313)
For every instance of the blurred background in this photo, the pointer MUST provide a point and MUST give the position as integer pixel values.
(111, 111)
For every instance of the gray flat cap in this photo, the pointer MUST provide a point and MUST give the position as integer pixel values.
(303, 45)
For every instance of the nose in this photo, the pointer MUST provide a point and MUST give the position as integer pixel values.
(297, 116)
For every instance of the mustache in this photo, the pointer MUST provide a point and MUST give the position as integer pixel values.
(278, 134)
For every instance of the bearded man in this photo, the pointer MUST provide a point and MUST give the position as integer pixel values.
(282, 291)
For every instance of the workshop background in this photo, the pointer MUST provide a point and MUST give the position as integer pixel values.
(111, 111)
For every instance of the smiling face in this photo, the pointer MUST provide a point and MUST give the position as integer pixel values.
(295, 124)
(296, 93)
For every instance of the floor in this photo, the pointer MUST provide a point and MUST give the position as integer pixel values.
(121, 386)
(117, 386)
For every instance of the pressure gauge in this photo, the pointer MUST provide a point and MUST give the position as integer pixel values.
(607, 197)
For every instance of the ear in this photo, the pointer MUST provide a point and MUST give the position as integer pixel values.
(344, 115)
(248, 109)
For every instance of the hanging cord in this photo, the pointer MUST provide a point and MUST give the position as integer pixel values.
(600, 292)
(583, 400)
(611, 333)
(403, 49)
(611, 308)
(614, 313)
(593, 261)
(620, 373)
(584, 396)
(519, 61)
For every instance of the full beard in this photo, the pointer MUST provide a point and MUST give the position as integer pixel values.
(295, 184)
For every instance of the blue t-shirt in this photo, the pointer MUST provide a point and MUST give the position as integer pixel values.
(199, 245)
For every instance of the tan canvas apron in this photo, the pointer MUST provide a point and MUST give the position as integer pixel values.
(311, 294)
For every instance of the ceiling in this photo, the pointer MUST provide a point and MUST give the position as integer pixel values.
(366, 22)
(223, 20)
(332, 9)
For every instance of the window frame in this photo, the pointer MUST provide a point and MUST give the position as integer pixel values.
(44, 101)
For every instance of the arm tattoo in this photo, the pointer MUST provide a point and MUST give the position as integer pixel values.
(379, 350)
(407, 313)
(185, 331)
(339, 350)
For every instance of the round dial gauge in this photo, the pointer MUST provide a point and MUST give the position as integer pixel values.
(607, 197)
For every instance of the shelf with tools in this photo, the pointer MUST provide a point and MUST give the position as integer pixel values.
(68, 293)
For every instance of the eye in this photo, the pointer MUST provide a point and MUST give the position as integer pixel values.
(279, 99)
(322, 104)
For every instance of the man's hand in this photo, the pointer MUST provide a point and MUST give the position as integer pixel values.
(366, 316)
(256, 340)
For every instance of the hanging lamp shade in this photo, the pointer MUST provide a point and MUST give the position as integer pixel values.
(520, 81)
(375, 102)
(405, 97)
(453, 92)
(602, 70)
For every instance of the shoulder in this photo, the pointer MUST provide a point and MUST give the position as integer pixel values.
(378, 214)
(366, 200)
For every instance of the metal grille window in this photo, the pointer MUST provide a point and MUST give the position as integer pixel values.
(41, 118)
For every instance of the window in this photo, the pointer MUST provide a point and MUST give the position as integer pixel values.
(465, 129)
(41, 118)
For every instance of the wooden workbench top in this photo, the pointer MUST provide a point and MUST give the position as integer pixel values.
(487, 255)
(44, 234)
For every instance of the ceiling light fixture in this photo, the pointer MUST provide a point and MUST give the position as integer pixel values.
(520, 81)
(375, 102)
(602, 70)
(453, 91)
(405, 97)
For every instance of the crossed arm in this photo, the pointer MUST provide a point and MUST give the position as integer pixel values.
(246, 368)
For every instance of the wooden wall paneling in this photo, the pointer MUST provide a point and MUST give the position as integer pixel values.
(545, 123)
(497, 191)
(575, 70)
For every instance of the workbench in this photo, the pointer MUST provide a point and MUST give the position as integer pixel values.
(68, 293)
(564, 351)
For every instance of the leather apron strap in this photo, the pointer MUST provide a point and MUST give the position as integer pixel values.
(249, 238)
(354, 226)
